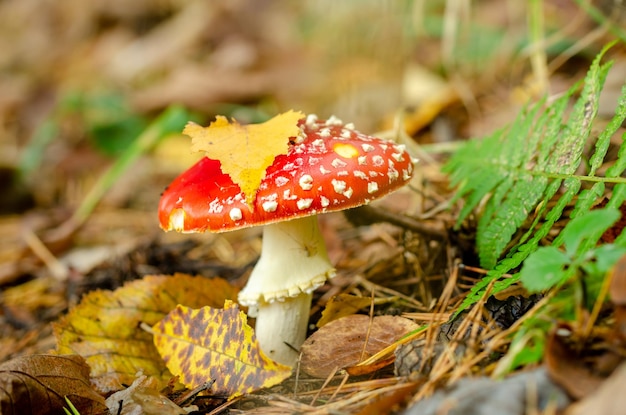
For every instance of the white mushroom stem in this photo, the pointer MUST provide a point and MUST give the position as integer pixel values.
(281, 327)
(293, 263)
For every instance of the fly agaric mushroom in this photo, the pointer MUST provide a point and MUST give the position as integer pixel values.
(329, 167)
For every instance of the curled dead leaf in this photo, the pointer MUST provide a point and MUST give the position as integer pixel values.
(617, 292)
(38, 385)
(142, 397)
(567, 367)
(607, 399)
(342, 305)
(345, 342)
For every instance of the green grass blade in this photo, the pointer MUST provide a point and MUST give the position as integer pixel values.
(171, 120)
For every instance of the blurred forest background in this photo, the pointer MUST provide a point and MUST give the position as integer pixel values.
(87, 85)
(81, 80)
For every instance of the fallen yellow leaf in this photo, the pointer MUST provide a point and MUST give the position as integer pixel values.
(216, 345)
(342, 305)
(245, 151)
(104, 327)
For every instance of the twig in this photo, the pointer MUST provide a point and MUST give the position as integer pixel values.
(371, 214)
(57, 269)
(326, 382)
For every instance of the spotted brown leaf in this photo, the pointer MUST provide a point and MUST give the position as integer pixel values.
(210, 344)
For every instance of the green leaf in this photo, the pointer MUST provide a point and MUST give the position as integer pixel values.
(590, 224)
(112, 124)
(544, 269)
(604, 258)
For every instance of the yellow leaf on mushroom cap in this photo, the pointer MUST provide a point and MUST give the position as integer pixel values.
(245, 151)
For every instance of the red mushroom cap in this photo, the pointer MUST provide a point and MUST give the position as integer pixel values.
(329, 167)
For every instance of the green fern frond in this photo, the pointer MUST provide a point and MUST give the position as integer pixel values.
(525, 176)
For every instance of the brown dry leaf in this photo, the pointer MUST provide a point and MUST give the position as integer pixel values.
(567, 368)
(104, 327)
(342, 305)
(38, 384)
(245, 151)
(617, 289)
(617, 292)
(217, 345)
(341, 343)
(607, 399)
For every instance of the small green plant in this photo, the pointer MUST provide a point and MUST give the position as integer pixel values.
(72, 410)
(550, 267)
(524, 178)
(577, 273)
